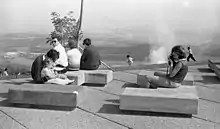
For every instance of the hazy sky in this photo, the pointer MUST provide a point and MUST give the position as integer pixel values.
(125, 17)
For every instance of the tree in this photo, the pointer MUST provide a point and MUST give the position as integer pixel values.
(65, 28)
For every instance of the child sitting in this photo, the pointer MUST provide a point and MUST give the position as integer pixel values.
(52, 76)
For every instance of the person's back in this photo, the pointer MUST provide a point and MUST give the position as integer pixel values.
(90, 59)
(37, 65)
(74, 55)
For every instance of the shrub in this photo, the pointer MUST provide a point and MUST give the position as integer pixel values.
(65, 28)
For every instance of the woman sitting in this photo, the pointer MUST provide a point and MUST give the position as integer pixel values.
(177, 72)
(52, 76)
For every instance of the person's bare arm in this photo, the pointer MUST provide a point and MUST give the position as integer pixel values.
(175, 69)
(50, 74)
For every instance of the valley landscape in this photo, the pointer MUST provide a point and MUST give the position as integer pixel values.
(18, 50)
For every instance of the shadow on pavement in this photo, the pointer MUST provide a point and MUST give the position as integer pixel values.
(114, 109)
(205, 70)
(20, 83)
(208, 79)
(93, 85)
(131, 85)
(115, 101)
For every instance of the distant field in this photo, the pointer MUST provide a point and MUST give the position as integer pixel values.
(113, 54)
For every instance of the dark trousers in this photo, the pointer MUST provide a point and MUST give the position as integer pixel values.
(191, 56)
(95, 67)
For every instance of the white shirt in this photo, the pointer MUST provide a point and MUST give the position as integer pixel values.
(74, 56)
(190, 51)
(63, 57)
(130, 60)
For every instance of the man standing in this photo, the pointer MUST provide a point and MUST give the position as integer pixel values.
(90, 59)
(190, 55)
(62, 61)
(38, 65)
(74, 55)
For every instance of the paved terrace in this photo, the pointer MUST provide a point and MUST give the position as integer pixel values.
(100, 110)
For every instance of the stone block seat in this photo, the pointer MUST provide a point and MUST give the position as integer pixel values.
(92, 76)
(78, 76)
(142, 78)
(182, 100)
(214, 68)
(211, 65)
(46, 95)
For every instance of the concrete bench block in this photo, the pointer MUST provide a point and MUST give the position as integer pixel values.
(46, 95)
(183, 100)
(211, 65)
(214, 68)
(142, 78)
(98, 76)
(78, 76)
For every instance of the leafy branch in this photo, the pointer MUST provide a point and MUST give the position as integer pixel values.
(65, 28)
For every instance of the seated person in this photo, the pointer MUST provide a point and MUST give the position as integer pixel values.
(90, 59)
(74, 55)
(37, 65)
(177, 72)
(53, 77)
(62, 61)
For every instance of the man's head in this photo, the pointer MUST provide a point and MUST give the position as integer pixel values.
(55, 41)
(188, 47)
(52, 55)
(72, 43)
(86, 42)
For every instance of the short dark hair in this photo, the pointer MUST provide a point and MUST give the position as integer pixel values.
(180, 51)
(128, 56)
(53, 54)
(72, 43)
(87, 41)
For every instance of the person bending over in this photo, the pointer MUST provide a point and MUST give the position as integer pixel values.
(37, 65)
(90, 59)
(176, 74)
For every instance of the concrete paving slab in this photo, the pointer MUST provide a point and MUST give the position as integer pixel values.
(217, 126)
(126, 77)
(115, 87)
(209, 94)
(8, 123)
(107, 106)
(209, 111)
(45, 119)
